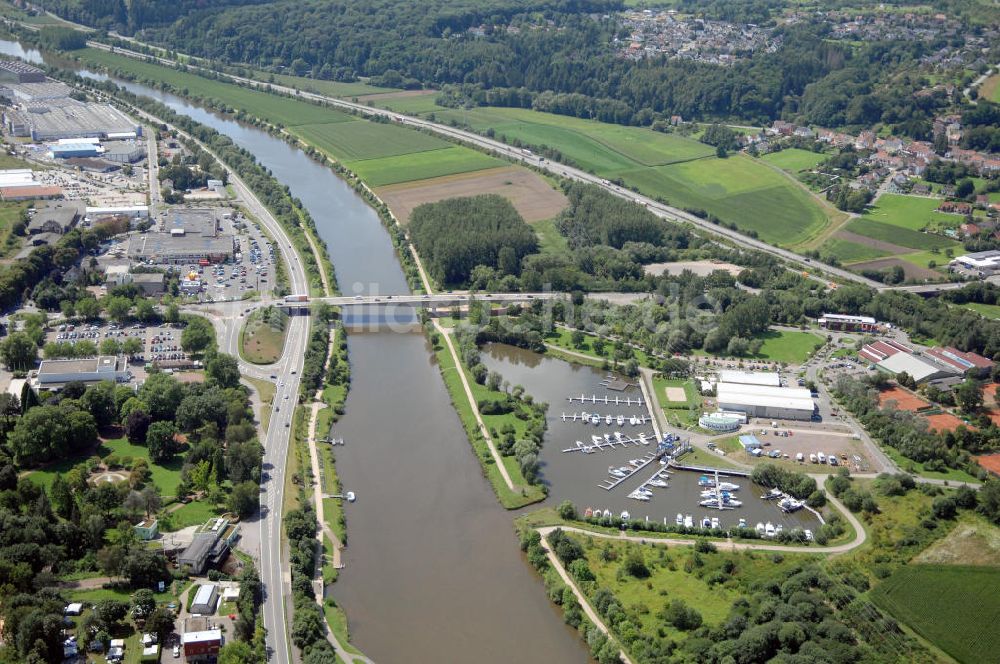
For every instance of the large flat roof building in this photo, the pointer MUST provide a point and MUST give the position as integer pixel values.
(180, 249)
(54, 119)
(18, 71)
(920, 369)
(786, 403)
(982, 263)
(751, 377)
(847, 323)
(54, 374)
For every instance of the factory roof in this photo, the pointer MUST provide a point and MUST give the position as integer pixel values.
(70, 117)
(764, 395)
(102, 363)
(17, 177)
(844, 318)
(918, 368)
(154, 245)
(193, 221)
(751, 377)
(40, 91)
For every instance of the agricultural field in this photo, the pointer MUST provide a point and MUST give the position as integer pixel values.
(912, 212)
(411, 102)
(974, 541)
(360, 139)
(852, 252)
(329, 88)
(533, 197)
(272, 108)
(422, 165)
(990, 89)
(739, 190)
(952, 606)
(899, 235)
(794, 160)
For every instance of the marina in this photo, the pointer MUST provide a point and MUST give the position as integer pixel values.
(585, 477)
(597, 418)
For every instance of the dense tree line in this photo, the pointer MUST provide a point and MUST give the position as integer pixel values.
(595, 217)
(455, 235)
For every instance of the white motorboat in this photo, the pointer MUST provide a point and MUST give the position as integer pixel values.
(759, 528)
(351, 497)
(680, 519)
(773, 494)
(595, 419)
(588, 513)
(642, 439)
(615, 472)
(789, 504)
(809, 535)
(608, 420)
(705, 480)
(768, 529)
(715, 522)
(625, 515)
(732, 502)
(587, 449)
(607, 438)
(619, 436)
(597, 440)
(688, 521)
(729, 486)
(635, 495)
(778, 528)
(743, 522)
(635, 463)
(621, 420)
(633, 421)
(706, 522)
(607, 513)
(657, 482)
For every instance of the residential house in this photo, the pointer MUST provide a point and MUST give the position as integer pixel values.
(921, 189)
(955, 207)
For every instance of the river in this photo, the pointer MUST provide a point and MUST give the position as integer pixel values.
(433, 571)
(576, 476)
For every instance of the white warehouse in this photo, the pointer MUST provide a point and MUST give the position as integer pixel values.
(785, 403)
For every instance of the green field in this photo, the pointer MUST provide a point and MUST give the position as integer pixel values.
(194, 513)
(550, 240)
(783, 346)
(794, 160)
(852, 252)
(275, 109)
(912, 212)
(329, 88)
(736, 189)
(905, 237)
(954, 607)
(413, 105)
(986, 310)
(350, 141)
(422, 165)
(166, 477)
(10, 213)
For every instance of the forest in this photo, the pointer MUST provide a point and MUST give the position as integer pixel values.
(455, 235)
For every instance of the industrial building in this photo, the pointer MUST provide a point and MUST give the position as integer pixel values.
(205, 599)
(180, 249)
(786, 403)
(54, 374)
(920, 369)
(18, 71)
(57, 218)
(937, 365)
(751, 377)
(980, 263)
(67, 118)
(845, 323)
(124, 152)
(19, 184)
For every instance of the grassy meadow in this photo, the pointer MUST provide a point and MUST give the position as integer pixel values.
(794, 160)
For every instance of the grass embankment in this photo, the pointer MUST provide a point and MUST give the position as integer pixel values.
(986, 310)
(523, 493)
(265, 392)
(263, 336)
(599, 349)
(911, 466)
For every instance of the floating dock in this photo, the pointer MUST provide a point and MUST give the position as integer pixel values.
(609, 441)
(585, 417)
(706, 470)
(613, 482)
(616, 400)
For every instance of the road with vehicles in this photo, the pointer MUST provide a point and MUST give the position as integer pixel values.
(228, 321)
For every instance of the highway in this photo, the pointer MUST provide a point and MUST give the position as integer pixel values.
(664, 211)
(228, 321)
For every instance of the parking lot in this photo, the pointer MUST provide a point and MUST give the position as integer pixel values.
(156, 343)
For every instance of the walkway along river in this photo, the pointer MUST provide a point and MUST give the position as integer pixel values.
(433, 571)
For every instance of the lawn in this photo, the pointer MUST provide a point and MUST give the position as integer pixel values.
(990, 89)
(166, 477)
(878, 230)
(10, 213)
(786, 346)
(987, 310)
(349, 141)
(954, 607)
(265, 391)
(194, 513)
(794, 160)
(422, 165)
(550, 240)
(562, 337)
(852, 252)
(678, 413)
(912, 212)
(263, 336)
(272, 108)
(738, 190)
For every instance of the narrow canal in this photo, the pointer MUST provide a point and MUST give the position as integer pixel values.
(433, 571)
